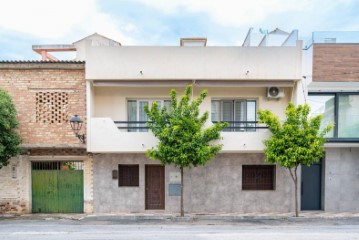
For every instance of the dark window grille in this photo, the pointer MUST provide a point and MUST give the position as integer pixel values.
(128, 175)
(258, 177)
(58, 165)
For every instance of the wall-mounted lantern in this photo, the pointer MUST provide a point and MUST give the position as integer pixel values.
(76, 124)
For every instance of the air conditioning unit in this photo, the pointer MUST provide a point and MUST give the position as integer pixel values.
(275, 92)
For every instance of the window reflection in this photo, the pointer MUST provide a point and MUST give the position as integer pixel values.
(348, 126)
(323, 104)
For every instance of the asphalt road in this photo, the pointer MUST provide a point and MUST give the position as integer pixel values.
(11, 229)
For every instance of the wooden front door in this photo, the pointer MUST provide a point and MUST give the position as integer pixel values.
(154, 187)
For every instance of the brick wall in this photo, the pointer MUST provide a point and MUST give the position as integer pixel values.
(336, 62)
(46, 96)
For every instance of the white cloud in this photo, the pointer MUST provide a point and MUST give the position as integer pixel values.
(60, 19)
(231, 12)
(243, 13)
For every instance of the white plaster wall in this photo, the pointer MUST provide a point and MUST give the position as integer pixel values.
(126, 62)
(110, 104)
(307, 76)
(92, 40)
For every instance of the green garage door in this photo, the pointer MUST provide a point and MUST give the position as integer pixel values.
(56, 188)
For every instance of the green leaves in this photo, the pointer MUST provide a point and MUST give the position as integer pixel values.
(9, 139)
(298, 140)
(183, 140)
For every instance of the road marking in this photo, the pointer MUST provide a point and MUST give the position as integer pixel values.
(38, 233)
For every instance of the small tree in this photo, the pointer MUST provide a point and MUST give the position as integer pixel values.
(298, 140)
(183, 141)
(9, 139)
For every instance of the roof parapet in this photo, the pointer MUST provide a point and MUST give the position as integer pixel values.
(44, 50)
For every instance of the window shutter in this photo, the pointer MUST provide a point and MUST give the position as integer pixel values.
(251, 115)
(227, 113)
(258, 177)
(240, 115)
(142, 115)
(167, 104)
(216, 110)
(132, 114)
(128, 175)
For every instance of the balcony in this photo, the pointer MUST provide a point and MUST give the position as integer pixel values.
(108, 136)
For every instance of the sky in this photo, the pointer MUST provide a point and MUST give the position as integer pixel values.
(24, 23)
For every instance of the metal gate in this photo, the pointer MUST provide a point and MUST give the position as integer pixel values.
(57, 187)
(311, 187)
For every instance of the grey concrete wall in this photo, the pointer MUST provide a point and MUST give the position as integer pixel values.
(214, 188)
(341, 191)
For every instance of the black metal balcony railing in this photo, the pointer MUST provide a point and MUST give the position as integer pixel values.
(234, 126)
(243, 126)
(131, 125)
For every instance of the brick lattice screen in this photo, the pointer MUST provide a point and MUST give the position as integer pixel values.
(52, 107)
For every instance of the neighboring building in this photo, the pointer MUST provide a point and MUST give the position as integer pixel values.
(122, 80)
(331, 70)
(46, 95)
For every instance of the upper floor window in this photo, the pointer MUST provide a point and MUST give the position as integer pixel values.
(240, 114)
(137, 116)
(342, 109)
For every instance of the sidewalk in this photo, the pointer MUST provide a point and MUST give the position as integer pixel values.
(305, 215)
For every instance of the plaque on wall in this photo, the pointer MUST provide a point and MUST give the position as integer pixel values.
(174, 189)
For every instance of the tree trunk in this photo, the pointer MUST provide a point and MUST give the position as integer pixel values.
(295, 181)
(182, 209)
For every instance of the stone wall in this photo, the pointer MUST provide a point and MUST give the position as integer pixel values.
(341, 192)
(14, 186)
(214, 188)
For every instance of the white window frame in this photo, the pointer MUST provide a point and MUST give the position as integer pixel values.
(234, 100)
(149, 102)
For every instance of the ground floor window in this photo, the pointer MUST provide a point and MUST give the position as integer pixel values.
(128, 175)
(258, 177)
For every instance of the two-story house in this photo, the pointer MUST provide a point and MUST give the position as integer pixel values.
(121, 80)
(46, 95)
(331, 74)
